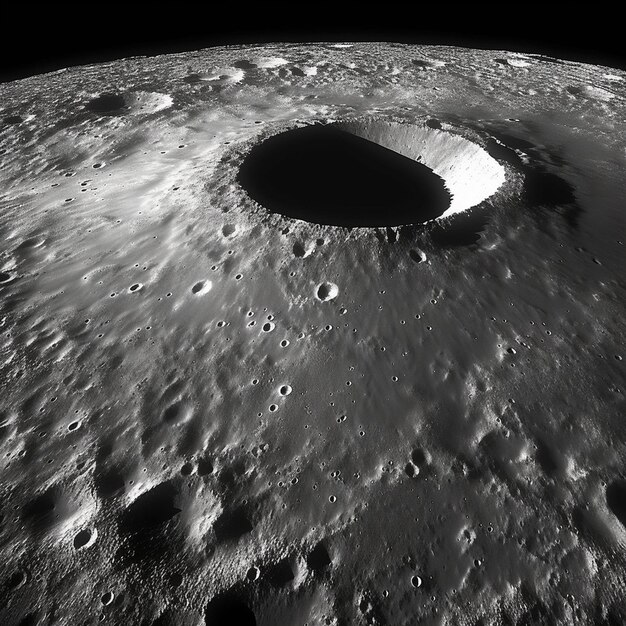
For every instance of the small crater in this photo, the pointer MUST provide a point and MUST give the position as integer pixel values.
(417, 255)
(411, 470)
(5, 277)
(31, 242)
(151, 509)
(318, 558)
(107, 598)
(253, 573)
(135, 287)
(416, 581)
(280, 574)
(172, 413)
(205, 467)
(244, 64)
(84, 538)
(202, 287)
(17, 579)
(285, 390)
(39, 512)
(326, 291)
(231, 525)
(11, 120)
(107, 103)
(228, 609)
(426, 64)
(228, 229)
(419, 458)
(109, 484)
(549, 460)
(616, 500)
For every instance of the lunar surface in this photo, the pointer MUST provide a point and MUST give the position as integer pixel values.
(314, 335)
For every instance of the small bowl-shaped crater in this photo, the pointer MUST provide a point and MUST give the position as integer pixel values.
(202, 287)
(326, 291)
(107, 104)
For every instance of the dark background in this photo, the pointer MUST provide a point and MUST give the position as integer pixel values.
(38, 39)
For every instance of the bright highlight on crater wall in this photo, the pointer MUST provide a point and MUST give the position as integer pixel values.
(369, 173)
(469, 173)
(313, 334)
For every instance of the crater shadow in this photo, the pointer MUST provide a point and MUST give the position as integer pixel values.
(326, 175)
(147, 525)
(107, 104)
(229, 608)
(616, 500)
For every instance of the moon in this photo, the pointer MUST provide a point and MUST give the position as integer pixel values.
(313, 334)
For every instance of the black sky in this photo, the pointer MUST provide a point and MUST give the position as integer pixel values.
(56, 36)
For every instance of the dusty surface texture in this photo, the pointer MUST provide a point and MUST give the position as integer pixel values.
(214, 414)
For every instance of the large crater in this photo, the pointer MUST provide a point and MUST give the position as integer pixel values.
(368, 173)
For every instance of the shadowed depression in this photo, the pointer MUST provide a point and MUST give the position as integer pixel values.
(326, 175)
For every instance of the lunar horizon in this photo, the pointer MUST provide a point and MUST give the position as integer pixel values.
(313, 334)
